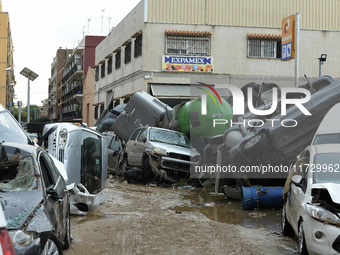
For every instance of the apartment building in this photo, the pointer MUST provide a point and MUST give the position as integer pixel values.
(74, 71)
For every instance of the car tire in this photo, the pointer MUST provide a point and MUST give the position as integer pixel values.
(52, 246)
(67, 239)
(302, 248)
(287, 229)
(146, 168)
(255, 144)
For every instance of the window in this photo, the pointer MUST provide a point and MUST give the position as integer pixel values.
(134, 135)
(138, 46)
(117, 61)
(109, 66)
(185, 45)
(102, 70)
(96, 112)
(97, 74)
(127, 58)
(264, 48)
(142, 135)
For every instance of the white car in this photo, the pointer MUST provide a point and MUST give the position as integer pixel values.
(311, 197)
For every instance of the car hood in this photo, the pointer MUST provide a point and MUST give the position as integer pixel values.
(172, 148)
(19, 205)
(332, 188)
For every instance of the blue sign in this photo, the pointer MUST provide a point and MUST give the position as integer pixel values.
(286, 51)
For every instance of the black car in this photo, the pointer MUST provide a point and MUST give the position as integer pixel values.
(34, 198)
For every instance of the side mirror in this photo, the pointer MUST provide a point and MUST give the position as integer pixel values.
(296, 179)
(53, 194)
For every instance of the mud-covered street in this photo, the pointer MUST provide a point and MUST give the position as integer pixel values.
(139, 219)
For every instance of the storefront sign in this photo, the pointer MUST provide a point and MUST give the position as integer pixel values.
(187, 64)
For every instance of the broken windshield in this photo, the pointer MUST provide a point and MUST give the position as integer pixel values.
(169, 137)
(18, 174)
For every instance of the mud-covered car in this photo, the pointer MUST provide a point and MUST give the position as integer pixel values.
(35, 200)
(270, 141)
(164, 152)
(312, 202)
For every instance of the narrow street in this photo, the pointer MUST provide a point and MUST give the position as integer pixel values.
(137, 219)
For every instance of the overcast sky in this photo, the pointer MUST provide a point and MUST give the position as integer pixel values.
(40, 27)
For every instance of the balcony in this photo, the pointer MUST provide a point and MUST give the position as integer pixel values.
(74, 93)
(76, 69)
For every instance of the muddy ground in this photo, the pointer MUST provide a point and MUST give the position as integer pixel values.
(137, 219)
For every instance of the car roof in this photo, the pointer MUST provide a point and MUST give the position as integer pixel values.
(331, 122)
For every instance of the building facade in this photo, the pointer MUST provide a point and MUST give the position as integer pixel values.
(164, 46)
(54, 93)
(7, 78)
(88, 98)
(74, 73)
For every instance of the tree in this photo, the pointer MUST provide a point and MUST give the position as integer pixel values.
(23, 114)
(34, 111)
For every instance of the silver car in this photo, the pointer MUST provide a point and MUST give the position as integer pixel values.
(161, 151)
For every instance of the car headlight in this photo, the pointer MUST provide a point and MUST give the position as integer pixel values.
(20, 237)
(322, 214)
(62, 139)
(160, 151)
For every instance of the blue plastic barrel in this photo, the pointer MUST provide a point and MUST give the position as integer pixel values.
(261, 197)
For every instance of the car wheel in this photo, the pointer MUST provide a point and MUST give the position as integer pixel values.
(146, 167)
(287, 229)
(67, 240)
(255, 144)
(52, 246)
(301, 241)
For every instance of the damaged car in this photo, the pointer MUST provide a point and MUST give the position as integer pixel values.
(35, 200)
(165, 153)
(256, 140)
(311, 207)
(83, 152)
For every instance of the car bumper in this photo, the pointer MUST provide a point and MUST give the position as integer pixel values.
(33, 247)
(329, 241)
(168, 163)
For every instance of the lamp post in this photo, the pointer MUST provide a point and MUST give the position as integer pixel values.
(322, 59)
(30, 75)
(19, 103)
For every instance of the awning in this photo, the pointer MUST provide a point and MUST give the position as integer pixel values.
(181, 91)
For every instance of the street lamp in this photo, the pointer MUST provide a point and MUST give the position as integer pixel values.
(322, 59)
(30, 75)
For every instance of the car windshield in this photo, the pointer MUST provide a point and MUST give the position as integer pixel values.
(326, 168)
(10, 131)
(17, 174)
(169, 137)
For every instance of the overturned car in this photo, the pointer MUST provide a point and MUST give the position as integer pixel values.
(279, 139)
(83, 152)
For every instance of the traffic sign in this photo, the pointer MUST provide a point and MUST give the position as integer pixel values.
(288, 38)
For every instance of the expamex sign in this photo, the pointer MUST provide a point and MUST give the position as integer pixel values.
(288, 38)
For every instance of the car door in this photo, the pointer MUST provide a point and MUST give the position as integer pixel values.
(57, 202)
(131, 143)
(139, 147)
(297, 192)
(113, 154)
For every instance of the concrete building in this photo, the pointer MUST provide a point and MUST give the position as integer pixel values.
(88, 98)
(7, 78)
(164, 46)
(74, 73)
(54, 93)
